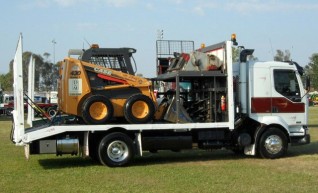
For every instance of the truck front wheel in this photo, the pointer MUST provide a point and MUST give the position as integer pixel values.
(115, 149)
(273, 144)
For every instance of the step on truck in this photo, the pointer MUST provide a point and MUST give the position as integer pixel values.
(205, 101)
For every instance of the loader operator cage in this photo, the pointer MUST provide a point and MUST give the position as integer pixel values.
(113, 58)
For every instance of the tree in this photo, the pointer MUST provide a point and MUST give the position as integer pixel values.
(6, 81)
(236, 55)
(46, 73)
(312, 70)
(25, 64)
(282, 56)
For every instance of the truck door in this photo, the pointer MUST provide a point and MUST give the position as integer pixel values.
(287, 101)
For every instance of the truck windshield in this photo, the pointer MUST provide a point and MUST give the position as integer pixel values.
(287, 85)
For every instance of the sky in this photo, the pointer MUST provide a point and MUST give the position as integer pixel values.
(261, 25)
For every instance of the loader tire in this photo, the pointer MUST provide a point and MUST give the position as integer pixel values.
(139, 109)
(97, 109)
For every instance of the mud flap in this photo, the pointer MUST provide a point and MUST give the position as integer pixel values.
(138, 144)
(250, 150)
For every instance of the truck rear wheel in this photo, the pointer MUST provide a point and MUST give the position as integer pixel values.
(97, 109)
(139, 109)
(115, 149)
(273, 143)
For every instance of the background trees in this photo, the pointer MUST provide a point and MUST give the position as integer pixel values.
(46, 73)
(282, 56)
(312, 70)
(6, 81)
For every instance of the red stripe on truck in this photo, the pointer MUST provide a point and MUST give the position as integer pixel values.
(275, 105)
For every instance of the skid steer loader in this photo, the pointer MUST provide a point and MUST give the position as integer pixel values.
(100, 87)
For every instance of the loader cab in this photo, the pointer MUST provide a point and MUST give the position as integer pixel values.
(119, 59)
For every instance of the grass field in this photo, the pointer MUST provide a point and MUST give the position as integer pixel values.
(189, 171)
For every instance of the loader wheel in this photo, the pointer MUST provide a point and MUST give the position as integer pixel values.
(139, 109)
(97, 109)
(116, 149)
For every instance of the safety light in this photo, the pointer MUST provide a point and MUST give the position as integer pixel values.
(233, 39)
(202, 45)
(94, 46)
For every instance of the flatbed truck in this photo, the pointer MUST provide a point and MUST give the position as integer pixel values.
(250, 107)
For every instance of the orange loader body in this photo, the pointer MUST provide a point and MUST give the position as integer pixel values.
(99, 95)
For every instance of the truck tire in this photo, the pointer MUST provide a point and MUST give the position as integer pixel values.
(9, 111)
(139, 109)
(97, 109)
(115, 149)
(273, 144)
(52, 111)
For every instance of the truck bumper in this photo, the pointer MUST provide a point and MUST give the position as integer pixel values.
(302, 140)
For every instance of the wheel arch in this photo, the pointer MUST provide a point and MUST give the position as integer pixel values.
(266, 122)
(98, 135)
(259, 132)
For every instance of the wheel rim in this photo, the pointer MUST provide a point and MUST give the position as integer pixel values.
(140, 109)
(52, 112)
(9, 111)
(273, 144)
(98, 110)
(117, 151)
